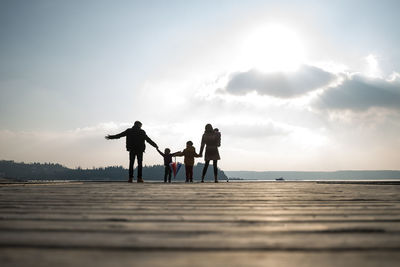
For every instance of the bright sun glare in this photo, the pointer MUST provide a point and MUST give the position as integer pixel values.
(273, 48)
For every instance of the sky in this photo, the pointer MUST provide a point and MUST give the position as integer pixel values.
(291, 85)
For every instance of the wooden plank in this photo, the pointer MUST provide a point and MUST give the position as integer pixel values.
(107, 258)
(247, 224)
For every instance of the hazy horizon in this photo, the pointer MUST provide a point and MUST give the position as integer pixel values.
(292, 85)
(201, 162)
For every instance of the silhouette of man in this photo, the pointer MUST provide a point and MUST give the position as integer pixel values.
(135, 138)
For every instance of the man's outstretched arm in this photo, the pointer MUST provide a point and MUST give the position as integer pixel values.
(116, 136)
(151, 142)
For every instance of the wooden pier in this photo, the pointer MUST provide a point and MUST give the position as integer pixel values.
(225, 224)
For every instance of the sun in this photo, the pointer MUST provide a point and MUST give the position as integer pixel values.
(272, 47)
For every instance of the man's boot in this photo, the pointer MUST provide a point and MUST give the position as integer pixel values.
(202, 179)
(140, 180)
(130, 180)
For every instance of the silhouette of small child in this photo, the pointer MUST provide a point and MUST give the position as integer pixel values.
(218, 136)
(167, 160)
(189, 154)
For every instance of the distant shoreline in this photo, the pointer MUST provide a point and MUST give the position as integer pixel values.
(316, 175)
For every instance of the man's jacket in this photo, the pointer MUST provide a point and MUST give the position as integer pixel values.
(135, 138)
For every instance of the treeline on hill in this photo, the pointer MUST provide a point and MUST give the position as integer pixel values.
(53, 171)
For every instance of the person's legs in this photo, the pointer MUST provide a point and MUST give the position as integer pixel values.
(169, 174)
(140, 166)
(131, 163)
(190, 174)
(187, 172)
(215, 165)
(205, 170)
(166, 173)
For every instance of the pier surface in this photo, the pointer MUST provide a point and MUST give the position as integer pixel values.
(225, 224)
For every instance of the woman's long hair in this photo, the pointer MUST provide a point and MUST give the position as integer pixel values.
(209, 128)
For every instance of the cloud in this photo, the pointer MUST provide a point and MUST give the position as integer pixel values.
(359, 93)
(280, 84)
(255, 130)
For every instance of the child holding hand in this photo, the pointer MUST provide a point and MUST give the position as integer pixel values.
(189, 154)
(167, 160)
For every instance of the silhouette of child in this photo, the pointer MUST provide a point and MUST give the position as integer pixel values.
(218, 136)
(167, 160)
(189, 154)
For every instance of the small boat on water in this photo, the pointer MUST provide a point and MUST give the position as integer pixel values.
(280, 179)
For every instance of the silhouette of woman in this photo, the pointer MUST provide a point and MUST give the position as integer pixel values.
(211, 140)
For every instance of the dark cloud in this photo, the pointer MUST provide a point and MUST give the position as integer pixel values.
(280, 84)
(360, 93)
